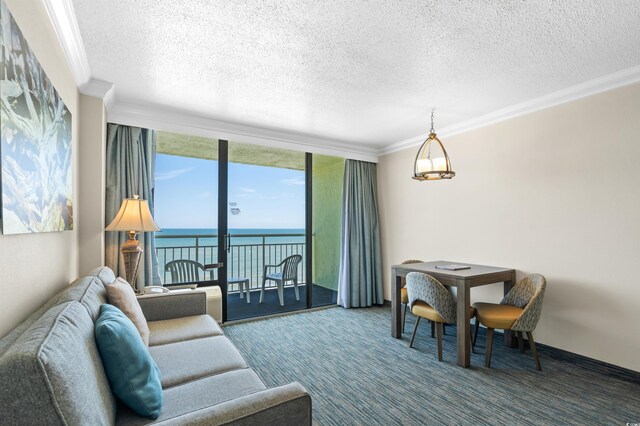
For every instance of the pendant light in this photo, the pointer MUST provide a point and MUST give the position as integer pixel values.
(432, 161)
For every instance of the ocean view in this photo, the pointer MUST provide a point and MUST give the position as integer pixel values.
(250, 249)
(186, 237)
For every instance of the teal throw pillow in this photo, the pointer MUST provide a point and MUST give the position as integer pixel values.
(132, 373)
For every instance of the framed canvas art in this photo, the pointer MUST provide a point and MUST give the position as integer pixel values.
(35, 149)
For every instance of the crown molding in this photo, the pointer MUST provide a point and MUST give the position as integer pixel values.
(97, 88)
(64, 22)
(66, 27)
(582, 90)
(104, 90)
(176, 121)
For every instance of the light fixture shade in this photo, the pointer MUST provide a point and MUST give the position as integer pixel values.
(432, 161)
(134, 215)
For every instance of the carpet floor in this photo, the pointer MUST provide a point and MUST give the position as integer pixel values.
(357, 374)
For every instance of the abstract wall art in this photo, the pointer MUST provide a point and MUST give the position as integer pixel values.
(35, 149)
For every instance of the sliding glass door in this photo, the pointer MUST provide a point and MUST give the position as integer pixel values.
(266, 231)
(186, 208)
(327, 173)
(261, 222)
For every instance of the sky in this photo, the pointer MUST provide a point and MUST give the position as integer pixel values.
(186, 195)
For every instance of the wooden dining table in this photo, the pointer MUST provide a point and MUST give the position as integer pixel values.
(463, 280)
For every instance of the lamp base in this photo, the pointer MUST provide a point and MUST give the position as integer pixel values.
(131, 252)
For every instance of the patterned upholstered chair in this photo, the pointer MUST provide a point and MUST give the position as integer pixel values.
(404, 299)
(519, 311)
(429, 299)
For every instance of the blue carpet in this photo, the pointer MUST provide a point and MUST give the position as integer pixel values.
(357, 374)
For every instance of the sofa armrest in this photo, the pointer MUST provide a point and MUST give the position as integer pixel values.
(175, 304)
(284, 405)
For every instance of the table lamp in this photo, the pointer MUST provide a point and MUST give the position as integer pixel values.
(133, 217)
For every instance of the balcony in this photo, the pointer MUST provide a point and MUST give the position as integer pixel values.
(266, 189)
(248, 253)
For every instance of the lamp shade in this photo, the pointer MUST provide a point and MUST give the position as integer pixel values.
(134, 215)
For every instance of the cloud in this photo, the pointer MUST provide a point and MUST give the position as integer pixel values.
(247, 189)
(292, 181)
(172, 174)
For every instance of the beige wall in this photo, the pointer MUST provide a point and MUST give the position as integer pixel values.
(92, 151)
(33, 267)
(554, 192)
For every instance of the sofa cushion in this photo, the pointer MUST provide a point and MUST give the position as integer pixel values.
(14, 334)
(132, 373)
(52, 374)
(89, 291)
(199, 394)
(185, 361)
(77, 290)
(120, 294)
(105, 274)
(181, 329)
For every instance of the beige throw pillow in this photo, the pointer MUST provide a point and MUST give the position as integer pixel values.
(121, 295)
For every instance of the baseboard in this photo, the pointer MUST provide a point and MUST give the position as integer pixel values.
(594, 364)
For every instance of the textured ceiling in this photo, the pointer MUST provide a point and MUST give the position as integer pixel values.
(365, 72)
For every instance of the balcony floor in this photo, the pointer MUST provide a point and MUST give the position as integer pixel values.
(238, 308)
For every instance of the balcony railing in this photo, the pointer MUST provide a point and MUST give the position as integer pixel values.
(246, 258)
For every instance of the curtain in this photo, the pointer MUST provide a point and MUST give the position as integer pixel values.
(360, 282)
(130, 171)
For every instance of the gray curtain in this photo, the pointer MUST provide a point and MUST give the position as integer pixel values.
(360, 281)
(131, 155)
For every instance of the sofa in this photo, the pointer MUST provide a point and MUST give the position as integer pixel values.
(51, 372)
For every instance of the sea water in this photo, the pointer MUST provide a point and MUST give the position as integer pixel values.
(249, 251)
(186, 237)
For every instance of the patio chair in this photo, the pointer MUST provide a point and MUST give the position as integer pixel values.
(288, 272)
(185, 271)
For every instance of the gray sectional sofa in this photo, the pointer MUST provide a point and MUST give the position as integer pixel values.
(51, 373)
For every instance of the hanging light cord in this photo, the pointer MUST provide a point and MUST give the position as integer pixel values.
(428, 147)
(432, 114)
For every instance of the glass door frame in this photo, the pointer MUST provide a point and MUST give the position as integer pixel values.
(308, 226)
(223, 220)
(223, 224)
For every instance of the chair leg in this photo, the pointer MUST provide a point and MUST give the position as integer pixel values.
(439, 331)
(264, 280)
(404, 317)
(433, 329)
(475, 333)
(473, 350)
(487, 360)
(520, 341)
(281, 292)
(413, 335)
(444, 329)
(295, 288)
(534, 351)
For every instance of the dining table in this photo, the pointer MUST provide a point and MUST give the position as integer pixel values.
(462, 280)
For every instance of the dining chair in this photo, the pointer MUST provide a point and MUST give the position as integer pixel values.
(288, 272)
(518, 311)
(404, 299)
(429, 299)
